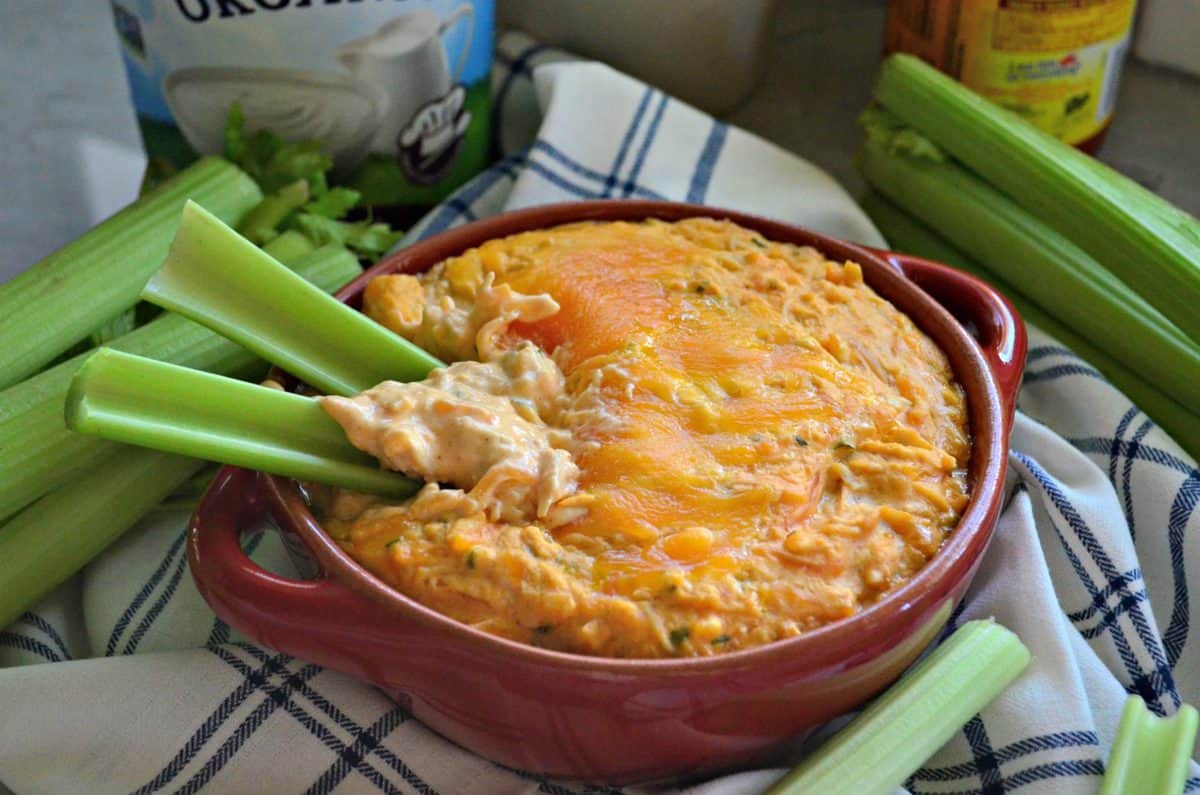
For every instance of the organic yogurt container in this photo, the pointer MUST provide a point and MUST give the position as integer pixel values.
(396, 91)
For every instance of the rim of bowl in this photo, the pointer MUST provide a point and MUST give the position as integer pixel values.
(823, 645)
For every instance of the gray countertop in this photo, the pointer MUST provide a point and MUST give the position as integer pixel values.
(67, 126)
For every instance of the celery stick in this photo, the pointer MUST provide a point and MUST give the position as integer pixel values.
(1151, 245)
(1150, 755)
(63, 298)
(1049, 268)
(289, 246)
(893, 736)
(38, 453)
(908, 235)
(259, 224)
(140, 401)
(220, 279)
(59, 534)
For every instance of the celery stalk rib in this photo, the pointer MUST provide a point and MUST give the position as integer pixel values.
(908, 235)
(1149, 244)
(1048, 267)
(220, 279)
(289, 247)
(902, 728)
(58, 535)
(259, 224)
(61, 299)
(1150, 755)
(38, 453)
(140, 401)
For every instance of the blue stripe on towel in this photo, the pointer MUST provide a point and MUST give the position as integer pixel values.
(44, 626)
(351, 727)
(251, 682)
(219, 635)
(987, 766)
(518, 67)
(1061, 371)
(160, 604)
(462, 208)
(579, 169)
(275, 698)
(1042, 351)
(1100, 598)
(630, 183)
(148, 588)
(559, 181)
(1182, 509)
(1068, 768)
(461, 205)
(32, 645)
(351, 757)
(1010, 753)
(1128, 598)
(330, 710)
(1111, 615)
(1114, 452)
(1127, 475)
(610, 181)
(568, 162)
(447, 214)
(707, 162)
(1102, 445)
(1174, 638)
(1151, 685)
(1062, 769)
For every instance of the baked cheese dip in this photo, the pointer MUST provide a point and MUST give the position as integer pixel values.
(654, 439)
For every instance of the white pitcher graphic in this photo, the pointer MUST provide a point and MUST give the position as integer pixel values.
(406, 58)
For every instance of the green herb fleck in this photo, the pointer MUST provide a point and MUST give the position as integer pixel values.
(334, 204)
(800, 440)
(721, 640)
(679, 635)
(758, 242)
(471, 559)
(843, 445)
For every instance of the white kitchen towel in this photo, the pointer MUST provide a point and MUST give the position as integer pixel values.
(124, 681)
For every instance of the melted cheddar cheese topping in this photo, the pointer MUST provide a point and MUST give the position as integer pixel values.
(724, 441)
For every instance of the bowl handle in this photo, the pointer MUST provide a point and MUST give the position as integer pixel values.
(989, 317)
(282, 613)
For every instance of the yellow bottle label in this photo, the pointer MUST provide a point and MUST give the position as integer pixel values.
(1054, 62)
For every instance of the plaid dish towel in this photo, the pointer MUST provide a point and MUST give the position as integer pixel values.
(123, 680)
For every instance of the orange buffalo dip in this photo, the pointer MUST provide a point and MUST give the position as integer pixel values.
(656, 439)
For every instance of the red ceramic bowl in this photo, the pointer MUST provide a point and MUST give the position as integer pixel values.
(611, 720)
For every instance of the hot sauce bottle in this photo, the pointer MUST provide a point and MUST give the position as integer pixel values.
(1056, 63)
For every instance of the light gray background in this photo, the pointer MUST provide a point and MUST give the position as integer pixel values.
(67, 131)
